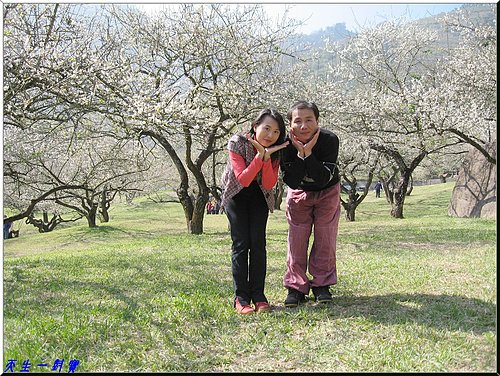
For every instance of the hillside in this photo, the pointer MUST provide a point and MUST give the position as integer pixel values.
(314, 43)
(337, 32)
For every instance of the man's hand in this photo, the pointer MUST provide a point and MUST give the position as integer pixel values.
(305, 150)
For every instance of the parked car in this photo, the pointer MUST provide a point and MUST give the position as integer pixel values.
(346, 187)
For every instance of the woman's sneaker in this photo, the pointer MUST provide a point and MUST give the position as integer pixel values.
(322, 294)
(294, 298)
(244, 309)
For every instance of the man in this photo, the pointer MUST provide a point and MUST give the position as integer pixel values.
(7, 226)
(378, 187)
(313, 200)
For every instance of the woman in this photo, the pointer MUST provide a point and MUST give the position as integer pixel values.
(248, 181)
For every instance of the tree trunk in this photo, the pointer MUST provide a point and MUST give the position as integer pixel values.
(194, 209)
(187, 204)
(92, 216)
(390, 196)
(410, 186)
(43, 225)
(397, 209)
(104, 207)
(195, 225)
(350, 212)
(387, 185)
(105, 215)
(399, 196)
(45, 222)
(351, 205)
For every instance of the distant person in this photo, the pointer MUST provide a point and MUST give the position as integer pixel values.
(313, 201)
(209, 207)
(217, 207)
(7, 226)
(214, 206)
(378, 187)
(247, 182)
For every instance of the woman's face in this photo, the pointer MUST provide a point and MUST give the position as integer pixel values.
(267, 132)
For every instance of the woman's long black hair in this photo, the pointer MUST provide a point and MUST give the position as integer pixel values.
(281, 125)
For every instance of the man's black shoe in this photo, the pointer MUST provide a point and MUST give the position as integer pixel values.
(294, 298)
(322, 294)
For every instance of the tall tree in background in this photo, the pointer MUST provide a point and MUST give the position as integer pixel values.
(191, 77)
(356, 160)
(55, 142)
(384, 73)
(40, 94)
(463, 103)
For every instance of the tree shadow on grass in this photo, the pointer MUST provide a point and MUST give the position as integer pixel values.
(51, 295)
(450, 312)
(105, 232)
(24, 294)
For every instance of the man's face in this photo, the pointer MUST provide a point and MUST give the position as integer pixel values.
(304, 124)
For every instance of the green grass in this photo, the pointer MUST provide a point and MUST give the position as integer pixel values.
(139, 294)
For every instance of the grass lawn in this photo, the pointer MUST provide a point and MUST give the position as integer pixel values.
(138, 294)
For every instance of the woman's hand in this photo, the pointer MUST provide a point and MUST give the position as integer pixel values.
(262, 152)
(272, 149)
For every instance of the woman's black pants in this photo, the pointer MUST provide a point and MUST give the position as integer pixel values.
(247, 212)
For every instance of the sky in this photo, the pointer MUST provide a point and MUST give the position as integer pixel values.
(355, 15)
